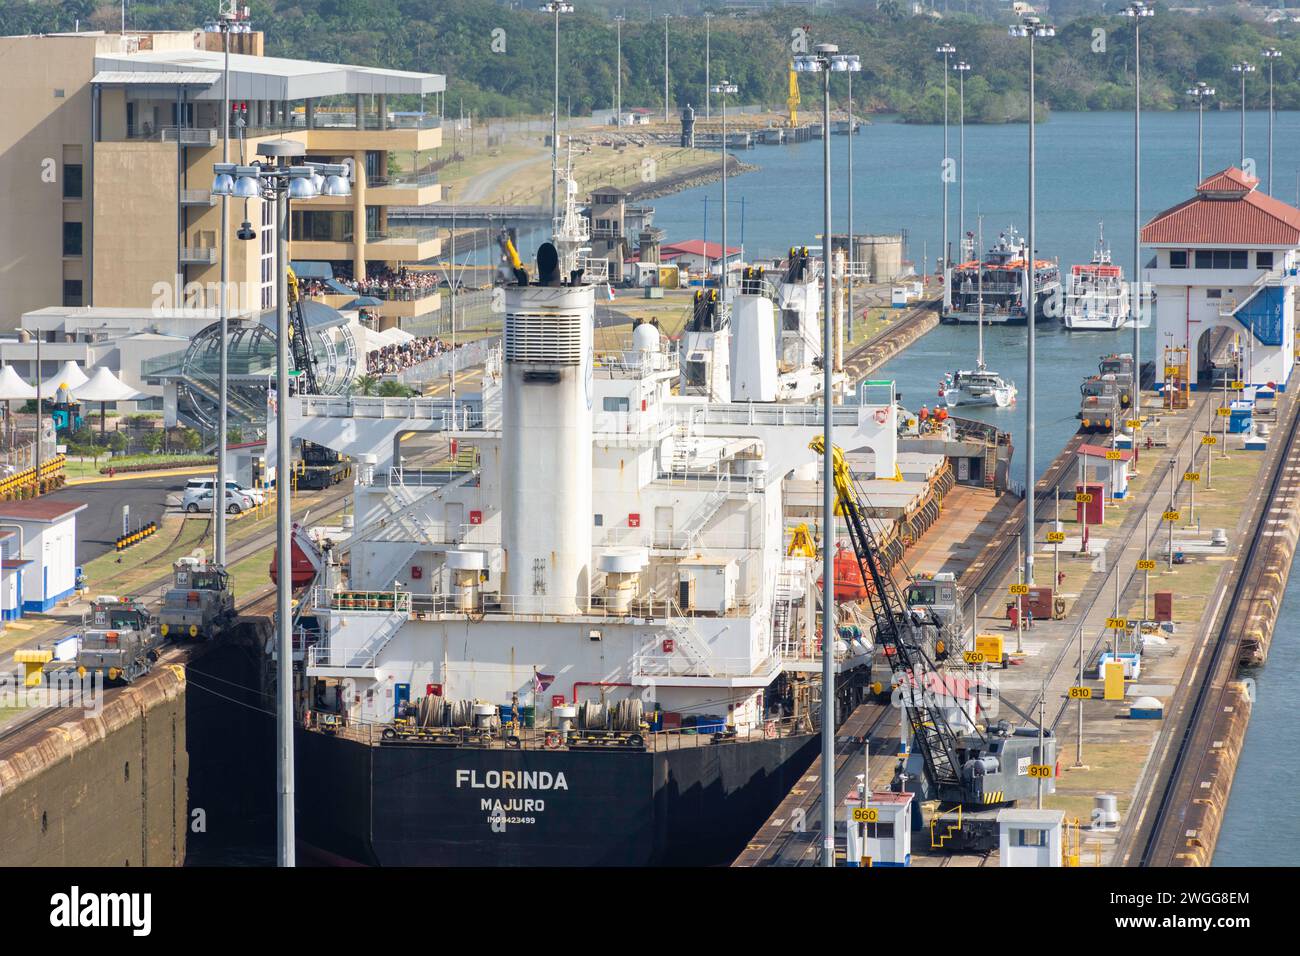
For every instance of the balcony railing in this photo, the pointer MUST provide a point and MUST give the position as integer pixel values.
(403, 234)
(414, 181)
(197, 197)
(192, 255)
(189, 136)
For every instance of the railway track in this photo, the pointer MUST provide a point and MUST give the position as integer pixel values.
(29, 729)
(1157, 841)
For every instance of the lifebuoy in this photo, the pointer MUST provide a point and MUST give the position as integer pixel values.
(552, 740)
(769, 730)
(881, 416)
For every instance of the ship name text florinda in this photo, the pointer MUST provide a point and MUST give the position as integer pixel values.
(511, 780)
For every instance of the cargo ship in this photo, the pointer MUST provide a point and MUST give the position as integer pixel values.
(995, 286)
(594, 646)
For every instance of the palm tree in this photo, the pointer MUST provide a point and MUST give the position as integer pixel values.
(365, 385)
(890, 9)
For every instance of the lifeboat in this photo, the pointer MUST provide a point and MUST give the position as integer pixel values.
(849, 585)
(304, 559)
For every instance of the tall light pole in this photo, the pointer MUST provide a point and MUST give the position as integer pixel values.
(961, 68)
(847, 333)
(1200, 92)
(278, 180)
(708, 84)
(555, 8)
(945, 50)
(618, 74)
(1137, 12)
(1032, 28)
(229, 17)
(666, 18)
(1243, 67)
(1270, 54)
(722, 89)
(826, 59)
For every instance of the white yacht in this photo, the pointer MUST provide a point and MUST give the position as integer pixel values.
(980, 385)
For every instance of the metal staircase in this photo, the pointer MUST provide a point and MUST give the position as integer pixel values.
(699, 518)
(405, 516)
(783, 614)
(684, 637)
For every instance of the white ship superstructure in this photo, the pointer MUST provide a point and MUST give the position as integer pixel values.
(626, 542)
(1096, 295)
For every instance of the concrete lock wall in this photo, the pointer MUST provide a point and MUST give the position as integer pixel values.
(106, 790)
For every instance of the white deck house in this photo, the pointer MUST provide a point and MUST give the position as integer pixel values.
(1228, 258)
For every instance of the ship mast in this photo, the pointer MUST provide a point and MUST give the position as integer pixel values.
(979, 242)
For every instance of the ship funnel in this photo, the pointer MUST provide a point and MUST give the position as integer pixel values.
(546, 435)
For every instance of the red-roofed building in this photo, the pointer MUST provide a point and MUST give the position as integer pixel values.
(38, 565)
(1227, 257)
(698, 256)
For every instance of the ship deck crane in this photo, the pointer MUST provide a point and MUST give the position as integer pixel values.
(975, 771)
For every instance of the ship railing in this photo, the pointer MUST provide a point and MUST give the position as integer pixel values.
(629, 363)
(548, 736)
(356, 600)
(676, 665)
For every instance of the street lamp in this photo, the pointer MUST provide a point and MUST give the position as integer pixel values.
(667, 17)
(961, 69)
(278, 180)
(1137, 12)
(230, 19)
(1032, 28)
(618, 74)
(1243, 67)
(827, 59)
(722, 89)
(945, 50)
(1270, 54)
(1201, 92)
(708, 84)
(555, 7)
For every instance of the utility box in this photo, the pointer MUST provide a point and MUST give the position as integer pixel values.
(1038, 602)
(1094, 511)
(879, 834)
(710, 584)
(1164, 606)
(990, 645)
(1030, 837)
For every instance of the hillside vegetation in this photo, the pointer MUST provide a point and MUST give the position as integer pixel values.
(498, 61)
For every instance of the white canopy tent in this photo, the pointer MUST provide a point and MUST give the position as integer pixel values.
(12, 387)
(104, 387)
(69, 376)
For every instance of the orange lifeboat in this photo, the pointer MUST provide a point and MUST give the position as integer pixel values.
(849, 585)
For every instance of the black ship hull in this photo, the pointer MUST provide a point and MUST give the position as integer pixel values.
(421, 805)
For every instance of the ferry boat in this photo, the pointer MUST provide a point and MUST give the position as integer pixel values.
(1096, 296)
(1001, 274)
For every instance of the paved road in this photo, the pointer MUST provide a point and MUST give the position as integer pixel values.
(100, 524)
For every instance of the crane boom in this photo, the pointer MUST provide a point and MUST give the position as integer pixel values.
(792, 99)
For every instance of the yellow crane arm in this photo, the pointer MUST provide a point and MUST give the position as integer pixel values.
(792, 98)
(293, 285)
(844, 493)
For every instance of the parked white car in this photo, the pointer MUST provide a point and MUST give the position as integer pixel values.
(256, 495)
(200, 499)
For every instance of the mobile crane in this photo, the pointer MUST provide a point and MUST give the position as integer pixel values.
(972, 771)
(321, 466)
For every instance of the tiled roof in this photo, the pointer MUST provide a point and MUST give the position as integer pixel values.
(695, 247)
(1227, 209)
